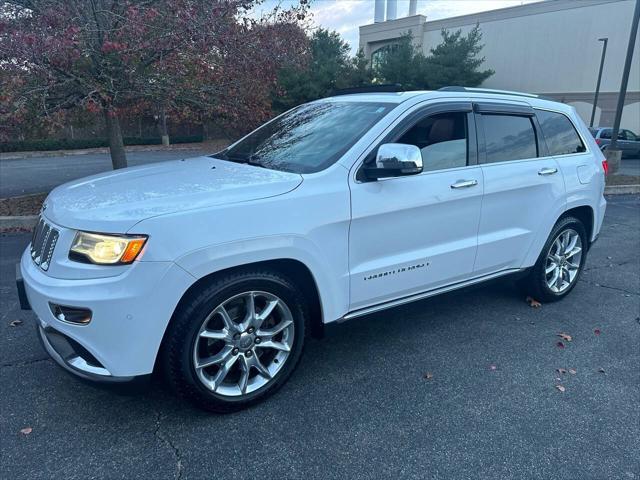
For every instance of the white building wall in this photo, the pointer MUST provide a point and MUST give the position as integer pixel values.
(552, 52)
(548, 47)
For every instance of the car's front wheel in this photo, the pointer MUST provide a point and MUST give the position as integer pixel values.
(560, 263)
(236, 341)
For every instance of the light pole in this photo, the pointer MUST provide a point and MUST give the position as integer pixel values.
(595, 100)
(613, 154)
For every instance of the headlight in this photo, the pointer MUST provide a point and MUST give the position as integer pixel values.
(106, 249)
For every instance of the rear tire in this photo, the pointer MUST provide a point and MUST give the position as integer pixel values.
(560, 263)
(236, 341)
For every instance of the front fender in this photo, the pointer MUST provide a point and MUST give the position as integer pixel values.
(334, 295)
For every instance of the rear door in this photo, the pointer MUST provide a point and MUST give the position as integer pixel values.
(524, 190)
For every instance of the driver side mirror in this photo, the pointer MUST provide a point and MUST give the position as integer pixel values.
(395, 160)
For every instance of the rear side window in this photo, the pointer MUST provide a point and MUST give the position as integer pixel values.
(559, 133)
(509, 137)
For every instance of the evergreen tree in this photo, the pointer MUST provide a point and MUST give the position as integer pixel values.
(453, 62)
(328, 69)
(456, 60)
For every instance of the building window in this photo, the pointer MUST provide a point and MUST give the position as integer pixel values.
(380, 54)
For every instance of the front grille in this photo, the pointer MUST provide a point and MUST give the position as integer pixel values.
(42, 243)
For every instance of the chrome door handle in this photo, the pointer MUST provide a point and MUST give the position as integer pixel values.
(547, 171)
(464, 184)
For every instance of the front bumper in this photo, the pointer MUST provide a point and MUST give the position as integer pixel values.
(130, 314)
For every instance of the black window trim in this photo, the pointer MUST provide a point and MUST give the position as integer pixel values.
(417, 116)
(587, 149)
(517, 110)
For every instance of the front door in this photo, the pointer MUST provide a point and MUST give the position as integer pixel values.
(415, 233)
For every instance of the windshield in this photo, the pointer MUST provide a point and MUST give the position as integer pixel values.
(309, 138)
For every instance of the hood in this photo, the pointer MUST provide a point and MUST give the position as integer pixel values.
(114, 202)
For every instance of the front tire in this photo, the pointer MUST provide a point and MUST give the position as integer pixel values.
(560, 263)
(236, 341)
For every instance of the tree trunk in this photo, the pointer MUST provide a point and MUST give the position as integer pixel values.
(163, 126)
(116, 146)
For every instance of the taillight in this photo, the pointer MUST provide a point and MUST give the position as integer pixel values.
(598, 141)
(605, 167)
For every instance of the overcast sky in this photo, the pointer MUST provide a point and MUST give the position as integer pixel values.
(345, 16)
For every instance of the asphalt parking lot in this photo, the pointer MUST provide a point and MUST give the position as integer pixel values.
(360, 405)
(25, 176)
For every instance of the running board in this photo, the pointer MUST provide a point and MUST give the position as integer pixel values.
(421, 296)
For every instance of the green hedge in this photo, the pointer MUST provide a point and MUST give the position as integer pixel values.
(66, 144)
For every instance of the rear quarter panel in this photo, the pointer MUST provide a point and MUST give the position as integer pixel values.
(583, 178)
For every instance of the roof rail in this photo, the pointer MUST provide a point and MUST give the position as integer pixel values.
(384, 88)
(489, 90)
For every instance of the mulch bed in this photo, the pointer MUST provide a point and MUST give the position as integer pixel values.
(23, 205)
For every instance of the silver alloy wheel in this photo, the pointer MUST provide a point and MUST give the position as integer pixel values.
(243, 343)
(563, 261)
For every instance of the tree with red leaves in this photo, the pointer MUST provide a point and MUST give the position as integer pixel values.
(111, 56)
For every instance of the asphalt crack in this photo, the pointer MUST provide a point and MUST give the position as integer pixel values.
(610, 288)
(167, 441)
(23, 363)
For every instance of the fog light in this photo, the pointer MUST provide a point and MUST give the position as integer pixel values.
(80, 316)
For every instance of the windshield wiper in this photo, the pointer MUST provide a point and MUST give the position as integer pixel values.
(247, 159)
(252, 160)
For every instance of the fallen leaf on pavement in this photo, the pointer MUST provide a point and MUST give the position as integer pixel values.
(428, 375)
(560, 345)
(561, 388)
(597, 331)
(15, 323)
(26, 430)
(601, 370)
(565, 337)
(561, 370)
(572, 371)
(533, 303)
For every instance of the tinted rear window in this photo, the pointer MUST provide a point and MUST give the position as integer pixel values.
(509, 137)
(559, 133)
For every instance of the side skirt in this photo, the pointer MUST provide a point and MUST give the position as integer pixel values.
(429, 293)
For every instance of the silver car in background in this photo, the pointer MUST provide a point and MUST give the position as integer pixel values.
(628, 141)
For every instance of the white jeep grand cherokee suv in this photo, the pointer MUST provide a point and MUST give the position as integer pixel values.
(216, 268)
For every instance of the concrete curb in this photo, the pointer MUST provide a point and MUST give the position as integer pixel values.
(27, 222)
(621, 189)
